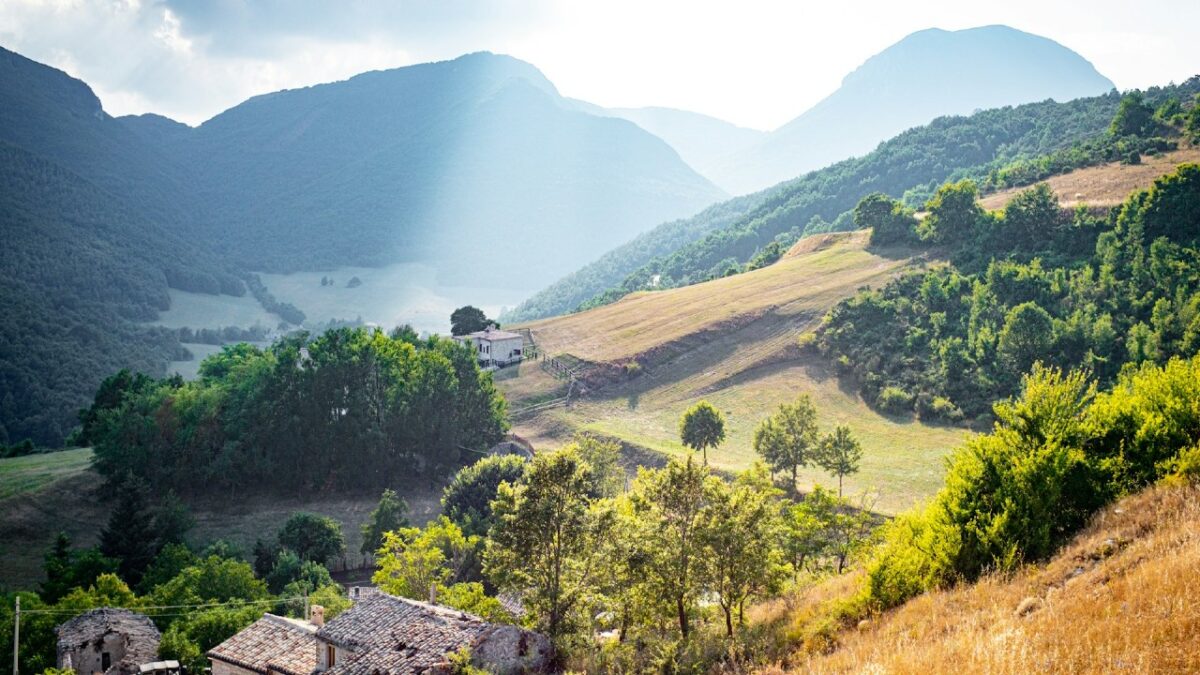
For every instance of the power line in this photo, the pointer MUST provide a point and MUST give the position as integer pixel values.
(207, 605)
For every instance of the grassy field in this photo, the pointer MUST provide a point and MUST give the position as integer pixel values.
(732, 341)
(200, 310)
(28, 474)
(1107, 184)
(389, 296)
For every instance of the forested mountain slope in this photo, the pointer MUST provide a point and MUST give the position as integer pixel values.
(475, 165)
(1000, 147)
(926, 75)
(78, 270)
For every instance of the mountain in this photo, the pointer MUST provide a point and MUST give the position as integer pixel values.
(730, 234)
(702, 141)
(475, 166)
(926, 75)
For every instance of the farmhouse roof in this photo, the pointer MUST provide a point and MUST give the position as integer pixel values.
(273, 644)
(141, 636)
(387, 634)
(493, 334)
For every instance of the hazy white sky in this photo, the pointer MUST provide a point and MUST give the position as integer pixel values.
(752, 62)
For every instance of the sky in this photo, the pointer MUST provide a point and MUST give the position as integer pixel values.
(751, 62)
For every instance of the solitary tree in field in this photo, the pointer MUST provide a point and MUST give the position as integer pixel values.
(313, 537)
(467, 320)
(840, 454)
(702, 427)
(788, 439)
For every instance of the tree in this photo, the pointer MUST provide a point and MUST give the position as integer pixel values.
(840, 454)
(889, 221)
(953, 215)
(1134, 116)
(1033, 215)
(603, 458)
(1026, 337)
(313, 537)
(303, 576)
(788, 439)
(669, 503)
(545, 542)
(702, 427)
(130, 536)
(57, 568)
(414, 559)
(737, 534)
(172, 520)
(389, 515)
(467, 500)
(170, 561)
(467, 319)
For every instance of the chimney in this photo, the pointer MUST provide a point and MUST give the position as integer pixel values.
(433, 593)
(317, 614)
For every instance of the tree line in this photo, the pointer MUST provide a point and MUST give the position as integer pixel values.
(1032, 282)
(352, 409)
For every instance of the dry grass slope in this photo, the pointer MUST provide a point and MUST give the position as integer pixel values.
(1120, 597)
(1107, 184)
(733, 342)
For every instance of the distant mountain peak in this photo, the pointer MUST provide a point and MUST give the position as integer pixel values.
(927, 74)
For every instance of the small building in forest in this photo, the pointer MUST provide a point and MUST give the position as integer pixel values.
(108, 641)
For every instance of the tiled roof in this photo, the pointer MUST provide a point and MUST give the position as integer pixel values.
(141, 636)
(272, 644)
(395, 635)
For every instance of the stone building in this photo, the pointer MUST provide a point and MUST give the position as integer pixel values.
(109, 641)
(379, 635)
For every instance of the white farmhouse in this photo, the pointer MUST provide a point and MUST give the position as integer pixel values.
(494, 347)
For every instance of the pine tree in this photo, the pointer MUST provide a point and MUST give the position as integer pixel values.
(130, 536)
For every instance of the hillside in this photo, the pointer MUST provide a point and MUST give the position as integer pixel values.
(982, 146)
(1117, 597)
(733, 342)
(904, 86)
(1105, 185)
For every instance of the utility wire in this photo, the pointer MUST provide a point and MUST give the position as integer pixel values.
(240, 603)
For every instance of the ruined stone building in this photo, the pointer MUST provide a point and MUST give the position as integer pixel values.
(109, 641)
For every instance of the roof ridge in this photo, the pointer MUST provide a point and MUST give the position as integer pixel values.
(290, 623)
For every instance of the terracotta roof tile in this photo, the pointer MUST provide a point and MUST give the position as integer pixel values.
(392, 635)
(271, 644)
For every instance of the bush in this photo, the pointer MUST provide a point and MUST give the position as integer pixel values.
(942, 408)
(894, 400)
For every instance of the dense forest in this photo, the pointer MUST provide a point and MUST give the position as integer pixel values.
(352, 409)
(79, 272)
(1004, 147)
(1033, 282)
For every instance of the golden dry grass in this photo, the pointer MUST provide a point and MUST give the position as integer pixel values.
(1107, 184)
(733, 341)
(1120, 598)
(643, 321)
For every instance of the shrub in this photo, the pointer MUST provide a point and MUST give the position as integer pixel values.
(894, 400)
